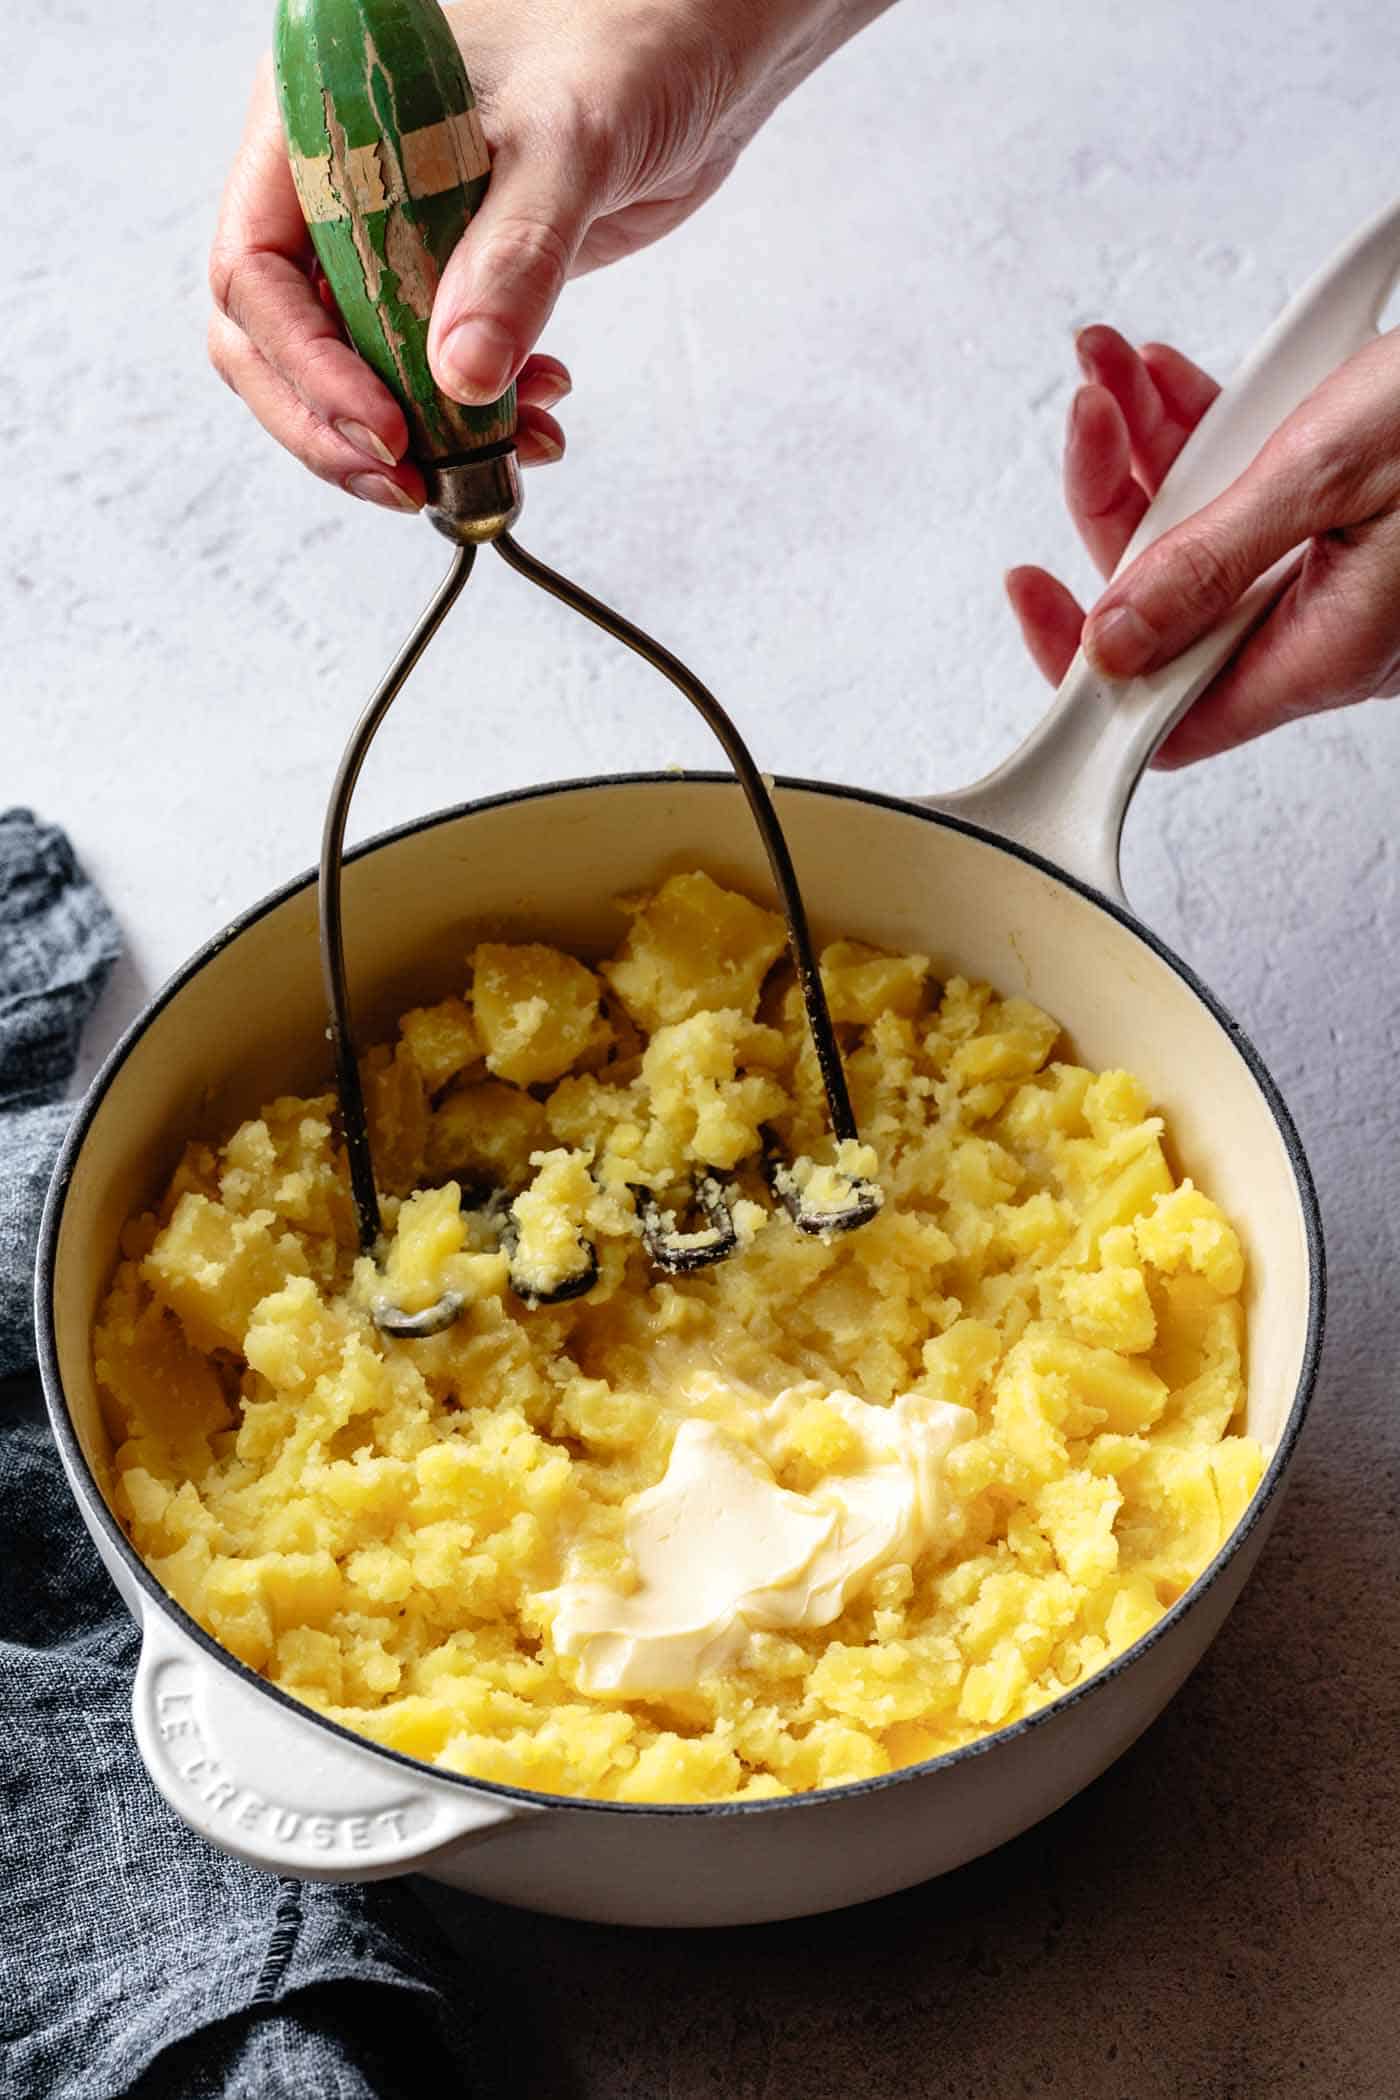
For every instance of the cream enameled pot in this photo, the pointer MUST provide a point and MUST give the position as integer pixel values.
(1014, 880)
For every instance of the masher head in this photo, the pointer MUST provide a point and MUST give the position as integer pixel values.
(845, 1202)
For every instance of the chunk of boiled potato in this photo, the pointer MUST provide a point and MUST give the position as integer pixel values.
(442, 1040)
(1115, 1101)
(211, 1267)
(1047, 1108)
(155, 1384)
(862, 983)
(1185, 1229)
(1131, 1191)
(294, 1338)
(284, 1160)
(705, 1106)
(1127, 1394)
(485, 1134)
(1134, 1611)
(1077, 1511)
(549, 1219)
(1012, 1042)
(396, 1103)
(537, 1010)
(1107, 1308)
(1052, 1386)
(693, 946)
(429, 1257)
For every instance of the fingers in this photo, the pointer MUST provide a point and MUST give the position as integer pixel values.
(1253, 693)
(503, 278)
(1328, 481)
(1104, 500)
(1154, 438)
(1051, 619)
(1334, 463)
(539, 441)
(1125, 431)
(1331, 639)
(543, 382)
(276, 339)
(1126, 428)
(1161, 395)
(328, 454)
(272, 304)
(1186, 582)
(259, 274)
(283, 413)
(1186, 392)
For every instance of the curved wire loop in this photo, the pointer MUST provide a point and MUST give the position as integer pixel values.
(354, 1121)
(865, 1197)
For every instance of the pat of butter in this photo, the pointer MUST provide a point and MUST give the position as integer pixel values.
(720, 1550)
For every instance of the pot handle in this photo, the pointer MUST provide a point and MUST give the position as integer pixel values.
(266, 1783)
(1065, 791)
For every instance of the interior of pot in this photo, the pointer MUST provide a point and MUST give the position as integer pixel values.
(246, 1021)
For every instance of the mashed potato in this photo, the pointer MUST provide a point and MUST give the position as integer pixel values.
(380, 1527)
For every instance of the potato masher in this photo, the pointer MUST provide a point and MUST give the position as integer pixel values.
(390, 163)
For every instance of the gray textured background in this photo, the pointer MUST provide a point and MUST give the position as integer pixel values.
(808, 433)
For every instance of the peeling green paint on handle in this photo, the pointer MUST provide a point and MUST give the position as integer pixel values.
(390, 164)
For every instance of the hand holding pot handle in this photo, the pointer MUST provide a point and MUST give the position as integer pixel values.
(1065, 792)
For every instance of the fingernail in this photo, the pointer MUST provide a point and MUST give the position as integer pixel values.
(476, 359)
(373, 488)
(545, 448)
(1119, 642)
(364, 440)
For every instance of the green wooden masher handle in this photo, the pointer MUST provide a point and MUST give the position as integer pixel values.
(390, 164)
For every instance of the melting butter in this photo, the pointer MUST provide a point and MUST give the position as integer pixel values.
(719, 1550)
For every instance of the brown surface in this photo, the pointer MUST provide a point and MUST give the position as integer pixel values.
(1217, 1919)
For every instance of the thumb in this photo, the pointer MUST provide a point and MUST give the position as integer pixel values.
(1329, 641)
(505, 274)
(1186, 582)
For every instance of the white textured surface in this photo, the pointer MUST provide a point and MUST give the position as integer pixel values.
(809, 432)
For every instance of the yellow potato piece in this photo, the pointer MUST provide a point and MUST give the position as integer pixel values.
(863, 983)
(1184, 1229)
(396, 1102)
(485, 1134)
(536, 1009)
(1108, 1308)
(1132, 1190)
(693, 946)
(442, 1040)
(708, 1110)
(211, 1267)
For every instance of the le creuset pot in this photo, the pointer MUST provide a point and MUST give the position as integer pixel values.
(1014, 880)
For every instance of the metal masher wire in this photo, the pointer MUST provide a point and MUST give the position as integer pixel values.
(354, 1121)
(843, 1122)
(865, 1197)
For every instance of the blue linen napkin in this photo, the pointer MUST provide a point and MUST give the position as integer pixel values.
(58, 942)
(139, 1961)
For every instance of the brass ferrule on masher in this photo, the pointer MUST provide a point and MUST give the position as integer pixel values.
(475, 500)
